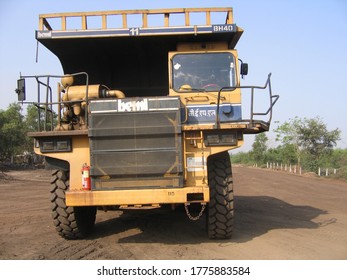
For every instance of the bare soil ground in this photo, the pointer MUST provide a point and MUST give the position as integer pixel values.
(277, 216)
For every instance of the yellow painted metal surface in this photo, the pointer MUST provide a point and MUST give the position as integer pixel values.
(80, 154)
(194, 149)
(195, 157)
(134, 197)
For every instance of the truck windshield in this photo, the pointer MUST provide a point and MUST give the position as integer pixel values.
(203, 71)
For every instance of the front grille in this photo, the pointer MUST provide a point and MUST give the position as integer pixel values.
(135, 148)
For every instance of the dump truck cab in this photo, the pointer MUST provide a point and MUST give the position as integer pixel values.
(143, 116)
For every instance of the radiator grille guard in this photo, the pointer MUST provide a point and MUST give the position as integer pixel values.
(135, 143)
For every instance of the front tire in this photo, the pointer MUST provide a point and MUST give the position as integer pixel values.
(220, 210)
(70, 222)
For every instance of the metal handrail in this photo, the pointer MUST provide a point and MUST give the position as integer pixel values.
(46, 103)
(272, 98)
(45, 108)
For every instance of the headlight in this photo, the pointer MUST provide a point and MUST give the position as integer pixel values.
(231, 138)
(55, 145)
(47, 146)
(220, 138)
(212, 139)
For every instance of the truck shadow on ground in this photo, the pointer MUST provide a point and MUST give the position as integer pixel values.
(254, 216)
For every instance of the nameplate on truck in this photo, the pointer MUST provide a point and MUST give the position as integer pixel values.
(221, 28)
(43, 34)
(134, 105)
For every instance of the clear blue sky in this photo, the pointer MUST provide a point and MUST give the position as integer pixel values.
(302, 42)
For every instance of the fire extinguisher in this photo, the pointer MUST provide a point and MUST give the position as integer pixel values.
(86, 185)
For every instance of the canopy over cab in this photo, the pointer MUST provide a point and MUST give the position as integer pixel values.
(128, 50)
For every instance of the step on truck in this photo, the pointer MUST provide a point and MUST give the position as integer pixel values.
(144, 115)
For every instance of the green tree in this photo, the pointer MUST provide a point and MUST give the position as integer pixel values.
(259, 148)
(241, 158)
(316, 139)
(31, 123)
(282, 154)
(309, 138)
(32, 118)
(338, 158)
(12, 131)
(288, 134)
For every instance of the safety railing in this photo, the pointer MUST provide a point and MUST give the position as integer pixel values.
(45, 103)
(44, 19)
(272, 101)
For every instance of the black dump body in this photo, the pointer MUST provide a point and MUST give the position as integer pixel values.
(136, 65)
(127, 64)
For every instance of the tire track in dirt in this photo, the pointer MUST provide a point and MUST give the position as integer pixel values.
(73, 250)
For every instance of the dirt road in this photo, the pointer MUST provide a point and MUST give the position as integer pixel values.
(277, 216)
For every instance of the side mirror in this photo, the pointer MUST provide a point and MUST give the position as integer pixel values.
(20, 90)
(244, 69)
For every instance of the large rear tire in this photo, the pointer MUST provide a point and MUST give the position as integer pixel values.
(70, 222)
(220, 210)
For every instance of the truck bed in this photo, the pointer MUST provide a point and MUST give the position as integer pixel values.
(131, 58)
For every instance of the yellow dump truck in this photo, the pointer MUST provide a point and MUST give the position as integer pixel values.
(143, 116)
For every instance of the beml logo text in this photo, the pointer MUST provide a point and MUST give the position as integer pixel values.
(133, 106)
